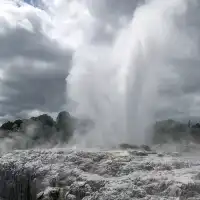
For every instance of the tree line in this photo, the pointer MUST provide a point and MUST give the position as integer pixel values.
(171, 130)
(42, 127)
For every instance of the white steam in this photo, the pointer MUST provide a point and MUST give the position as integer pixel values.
(116, 85)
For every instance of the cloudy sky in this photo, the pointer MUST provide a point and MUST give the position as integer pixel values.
(42, 40)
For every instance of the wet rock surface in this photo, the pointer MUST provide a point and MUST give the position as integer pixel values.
(120, 174)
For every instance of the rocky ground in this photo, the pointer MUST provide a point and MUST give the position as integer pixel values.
(117, 174)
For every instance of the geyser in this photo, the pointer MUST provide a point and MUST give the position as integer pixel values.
(116, 84)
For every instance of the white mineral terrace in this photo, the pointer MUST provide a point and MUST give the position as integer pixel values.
(115, 174)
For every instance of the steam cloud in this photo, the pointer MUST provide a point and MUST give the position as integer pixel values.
(117, 85)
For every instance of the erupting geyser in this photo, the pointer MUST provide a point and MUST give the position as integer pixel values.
(116, 84)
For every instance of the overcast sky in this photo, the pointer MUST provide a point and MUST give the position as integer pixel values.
(39, 39)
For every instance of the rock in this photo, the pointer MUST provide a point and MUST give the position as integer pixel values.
(138, 194)
(128, 146)
(174, 191)
(51, 194)
(96, 185)
(145, 147)
(16, 182)
(78, 189)
(88, 189)
(152, 152)
(54, 194)
(40, 195)
(139, 153)
(70, 197)
(53, 182)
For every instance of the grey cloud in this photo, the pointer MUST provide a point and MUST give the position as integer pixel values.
(32, 45)
(26, 92)
(32, 87)
(34, 69)
(43, 92)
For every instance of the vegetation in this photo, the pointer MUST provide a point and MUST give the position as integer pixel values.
(171, 130)
(43, 128)
(64, 125)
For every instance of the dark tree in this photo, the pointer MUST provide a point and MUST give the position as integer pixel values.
(45, 119)
(45, 127)
(8, 126)
(18, 123)
(64, 124)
